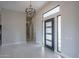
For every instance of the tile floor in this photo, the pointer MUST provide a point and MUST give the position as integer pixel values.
(26, 50)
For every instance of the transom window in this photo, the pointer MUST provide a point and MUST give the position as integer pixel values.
(52, 11)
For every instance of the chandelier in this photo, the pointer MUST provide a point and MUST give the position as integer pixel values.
(30, 11)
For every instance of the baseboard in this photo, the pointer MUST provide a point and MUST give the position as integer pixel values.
(62, 55)
(14, 43)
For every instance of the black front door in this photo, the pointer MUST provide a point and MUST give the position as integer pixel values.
(49, 33)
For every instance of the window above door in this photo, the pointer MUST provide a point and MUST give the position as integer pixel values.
(52, 11)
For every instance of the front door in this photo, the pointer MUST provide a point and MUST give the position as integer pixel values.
(49, 33)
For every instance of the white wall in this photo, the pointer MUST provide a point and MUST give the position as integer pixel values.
(70, 27)
(13, 27)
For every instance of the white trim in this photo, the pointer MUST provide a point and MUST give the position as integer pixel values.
(9, 44)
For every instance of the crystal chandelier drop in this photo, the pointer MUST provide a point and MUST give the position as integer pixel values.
(30, 12)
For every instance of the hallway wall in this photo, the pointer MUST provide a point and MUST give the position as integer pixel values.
(70, 28)
(13, 27)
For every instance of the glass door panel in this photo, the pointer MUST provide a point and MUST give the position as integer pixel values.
(48, 24)
(48, 30)
(48, 43)
(49, 37)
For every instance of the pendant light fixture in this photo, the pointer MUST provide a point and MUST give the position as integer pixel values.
(30, 12)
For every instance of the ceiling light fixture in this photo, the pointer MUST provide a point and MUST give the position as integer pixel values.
(30, 12)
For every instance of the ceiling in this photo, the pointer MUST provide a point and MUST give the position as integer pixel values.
(21, 5)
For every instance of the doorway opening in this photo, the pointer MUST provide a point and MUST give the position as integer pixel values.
(52, 29)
